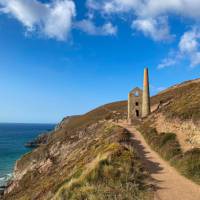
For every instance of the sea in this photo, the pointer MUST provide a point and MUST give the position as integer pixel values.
(13, 136)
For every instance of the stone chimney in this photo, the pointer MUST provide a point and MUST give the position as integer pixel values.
(146, 95)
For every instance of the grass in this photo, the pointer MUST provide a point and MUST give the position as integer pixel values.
(116, 174)
(88, 162)
(185, 104)
(167, 145)
(189, 164)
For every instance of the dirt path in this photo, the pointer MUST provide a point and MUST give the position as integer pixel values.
(170, 184)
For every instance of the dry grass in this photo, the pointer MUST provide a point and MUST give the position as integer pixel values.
(77, 160)
(185, 103)
(167, 145)
(116, 174)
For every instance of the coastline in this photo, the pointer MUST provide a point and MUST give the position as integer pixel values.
(5, 179)
(4, 182)
(13, 138)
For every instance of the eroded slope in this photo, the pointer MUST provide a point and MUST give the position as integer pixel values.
(87, 156)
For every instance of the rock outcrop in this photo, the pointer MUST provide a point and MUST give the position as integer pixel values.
(40, 140)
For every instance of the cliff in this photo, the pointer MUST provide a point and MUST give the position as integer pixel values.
(85, 152)
(86, 156)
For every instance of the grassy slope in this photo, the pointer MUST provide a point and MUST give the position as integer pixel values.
(115, 173)
(88, 160)
(185, 101)
(185, 105)
(167, 145)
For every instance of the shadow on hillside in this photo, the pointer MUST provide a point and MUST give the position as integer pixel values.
(150, 166)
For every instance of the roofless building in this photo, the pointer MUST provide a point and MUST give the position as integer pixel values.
(139, 100)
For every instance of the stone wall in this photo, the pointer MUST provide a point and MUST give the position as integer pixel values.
(187, 132)
(134, 104)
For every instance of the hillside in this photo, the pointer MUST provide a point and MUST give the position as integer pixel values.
(184, 101)
(86, 156)
(89, 156)
(179, 113)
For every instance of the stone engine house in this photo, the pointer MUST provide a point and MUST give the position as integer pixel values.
(135, 104)
(139, 101)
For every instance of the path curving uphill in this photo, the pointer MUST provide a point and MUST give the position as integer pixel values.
(170, 184)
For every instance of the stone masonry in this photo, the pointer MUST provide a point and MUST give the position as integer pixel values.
(134, 104)
(139, 101)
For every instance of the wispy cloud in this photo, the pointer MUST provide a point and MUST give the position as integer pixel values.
(167, 62)
(88, 26)
(156, 89)
(188, 49)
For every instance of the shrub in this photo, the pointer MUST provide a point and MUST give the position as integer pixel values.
(166, 137)
(189, 164)
(167, 145)
(119, 176)
(170, 149)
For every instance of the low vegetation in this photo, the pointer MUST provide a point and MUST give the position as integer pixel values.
(167, 145)
(87, 163)
(115, 174)
(184, 101)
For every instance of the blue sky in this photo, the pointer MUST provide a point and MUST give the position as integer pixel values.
(65, 57)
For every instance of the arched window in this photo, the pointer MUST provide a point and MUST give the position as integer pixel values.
(136, 94)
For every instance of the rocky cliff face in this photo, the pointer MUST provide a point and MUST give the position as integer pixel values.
(40, 140)
(47, 166)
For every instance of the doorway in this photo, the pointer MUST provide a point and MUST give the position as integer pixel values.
(137, 113)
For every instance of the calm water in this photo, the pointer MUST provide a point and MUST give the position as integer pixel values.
(12, 140)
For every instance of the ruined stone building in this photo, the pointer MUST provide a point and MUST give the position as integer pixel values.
(139, 100)
(135, 104)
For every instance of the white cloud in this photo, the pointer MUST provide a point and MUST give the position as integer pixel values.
(187, 8)
(157, 29)
(120, 5)
(146, 14)
(89, 27)
(189, 46)
(195, 59)
(189, 41)
(113, 6)
(51, 19)
(167, 62)
(188, 49)
(150, 8)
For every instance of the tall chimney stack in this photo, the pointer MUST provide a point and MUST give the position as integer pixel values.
(146, 95)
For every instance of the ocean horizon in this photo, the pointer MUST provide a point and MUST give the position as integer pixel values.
(13, 136)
